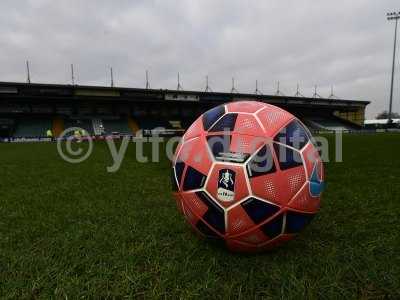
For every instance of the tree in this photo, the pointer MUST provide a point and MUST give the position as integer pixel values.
(385, 115)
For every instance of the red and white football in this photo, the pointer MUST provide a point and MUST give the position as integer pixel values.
(248, 173)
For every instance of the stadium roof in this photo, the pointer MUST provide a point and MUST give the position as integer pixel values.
(43, 91)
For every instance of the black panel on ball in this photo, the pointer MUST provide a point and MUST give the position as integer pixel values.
(294, 135)
(219, 144)
(204, 229)
(226, 123)
(193, 179)
(214, 216)
(211, 116)
(259, 210)
(274, 227)
(179, 167)
(288, 158)
(261, 163)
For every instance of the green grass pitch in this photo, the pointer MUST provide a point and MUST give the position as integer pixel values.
(77, 231)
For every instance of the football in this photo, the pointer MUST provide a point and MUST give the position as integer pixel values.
(248, 173)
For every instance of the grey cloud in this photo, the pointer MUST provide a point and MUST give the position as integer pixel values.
(347, 44)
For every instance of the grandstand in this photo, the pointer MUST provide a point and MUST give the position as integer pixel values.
(28, 110)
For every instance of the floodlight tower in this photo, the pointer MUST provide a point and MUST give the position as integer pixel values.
(208, 89)
(233, 89)
(393, 16)
(112, 77)
(147, 80)
(28, 73)
(278, 91)
(298, 94)
(179, 86)
(332, 95)
(316, 95)
(72, 75)
(257, 91)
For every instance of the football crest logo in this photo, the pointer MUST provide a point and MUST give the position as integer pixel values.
(226, 185)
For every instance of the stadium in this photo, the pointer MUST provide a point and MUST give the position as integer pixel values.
(118, 191)
(70, 221)
(27, 111)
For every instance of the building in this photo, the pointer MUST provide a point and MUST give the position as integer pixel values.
(30, 109)
(381, 123)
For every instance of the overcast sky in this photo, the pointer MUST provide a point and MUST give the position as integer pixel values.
(347, 44)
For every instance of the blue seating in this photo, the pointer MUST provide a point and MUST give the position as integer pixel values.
(120, 125)
(31, 127)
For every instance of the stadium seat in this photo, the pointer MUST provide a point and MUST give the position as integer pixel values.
(151, 123)
(81, 123)
(328, 123)
(117, 126)
(32, 127)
